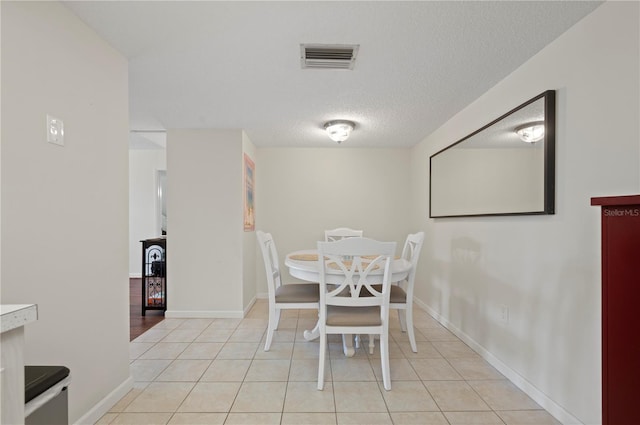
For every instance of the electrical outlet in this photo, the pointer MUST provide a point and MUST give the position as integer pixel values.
(55, 130)
(504, 313)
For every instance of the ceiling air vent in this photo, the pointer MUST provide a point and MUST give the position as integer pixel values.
(326, 56)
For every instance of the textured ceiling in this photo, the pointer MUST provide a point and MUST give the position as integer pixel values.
(214, 64)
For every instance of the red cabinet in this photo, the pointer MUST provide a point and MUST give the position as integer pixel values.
(620, 309)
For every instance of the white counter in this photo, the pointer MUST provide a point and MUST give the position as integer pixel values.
(13, 317)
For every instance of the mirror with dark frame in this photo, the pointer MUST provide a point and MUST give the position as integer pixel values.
(505, 168)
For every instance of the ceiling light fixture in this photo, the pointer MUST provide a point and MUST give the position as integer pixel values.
(339, 130)
(531, 132)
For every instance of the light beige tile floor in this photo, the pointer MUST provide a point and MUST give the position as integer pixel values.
(214, 371)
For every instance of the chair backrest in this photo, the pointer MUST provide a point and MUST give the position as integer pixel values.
(341, 233)
(412, 247)
(411, 253)
(271, 262)
(355, 265)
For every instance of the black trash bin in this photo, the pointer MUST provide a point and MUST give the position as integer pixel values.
(45, 395)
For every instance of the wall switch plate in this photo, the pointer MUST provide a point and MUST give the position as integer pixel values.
(55, 130)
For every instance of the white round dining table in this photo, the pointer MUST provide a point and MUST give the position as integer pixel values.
(304, 265)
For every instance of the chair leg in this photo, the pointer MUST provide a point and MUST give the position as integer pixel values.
(277, 321)
(274, 318)
(412, 336)
(372, 343)
(402, 319)
(384, 360)
(322, 359)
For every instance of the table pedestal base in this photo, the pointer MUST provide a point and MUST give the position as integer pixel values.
(313, 333)
(347, 340)
(347, 345)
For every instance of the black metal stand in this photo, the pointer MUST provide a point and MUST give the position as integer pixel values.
(154, 274)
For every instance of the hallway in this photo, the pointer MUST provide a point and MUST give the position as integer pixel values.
(139, 324)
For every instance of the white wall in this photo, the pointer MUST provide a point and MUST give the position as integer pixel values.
(204, 228)
(302, 192)
(545, 269)
(143, 201)
(65, 209)
(249, 245)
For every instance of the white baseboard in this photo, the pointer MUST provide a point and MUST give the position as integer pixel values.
(135, 275)
(103, 406)
(206, 314)
(248, 307)
(518, 380)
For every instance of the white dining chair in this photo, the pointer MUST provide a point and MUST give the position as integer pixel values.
(401, 294)
(401, 297)
(283, 296)
(341, 233)
(349, 268)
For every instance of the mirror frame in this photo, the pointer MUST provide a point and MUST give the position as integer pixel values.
(549, 159)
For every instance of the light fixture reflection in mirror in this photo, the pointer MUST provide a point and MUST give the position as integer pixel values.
(531, 132)
(492, 172)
